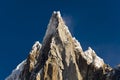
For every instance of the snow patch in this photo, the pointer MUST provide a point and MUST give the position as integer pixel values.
(57, 13)
(92, 58)
(77, 44)
(98, 62)
(36, 47)
(88, 55)
(16, 72)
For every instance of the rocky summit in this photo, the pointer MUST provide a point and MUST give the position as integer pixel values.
(61, 57)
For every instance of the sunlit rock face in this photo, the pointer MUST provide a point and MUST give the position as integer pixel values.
(61, 57)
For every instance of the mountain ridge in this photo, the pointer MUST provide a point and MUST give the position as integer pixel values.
(61, 57)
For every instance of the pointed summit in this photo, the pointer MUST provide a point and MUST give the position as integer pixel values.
(57, 13)
(53, 23)
(56, 24)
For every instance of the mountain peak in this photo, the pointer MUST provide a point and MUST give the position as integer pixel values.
(53, 24)
(61, 57)
(56, 25)
(57, 14)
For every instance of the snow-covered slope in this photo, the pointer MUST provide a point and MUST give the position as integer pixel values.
(16, 72)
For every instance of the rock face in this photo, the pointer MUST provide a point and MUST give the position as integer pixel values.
(60, 57)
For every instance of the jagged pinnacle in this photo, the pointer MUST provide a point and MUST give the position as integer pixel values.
(55, 22)
(57, 13)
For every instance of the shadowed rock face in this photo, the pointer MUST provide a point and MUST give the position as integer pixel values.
(60, 57)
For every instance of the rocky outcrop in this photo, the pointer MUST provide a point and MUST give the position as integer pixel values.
(60, 57)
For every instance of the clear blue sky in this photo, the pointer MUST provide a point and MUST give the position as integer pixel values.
(94, 23)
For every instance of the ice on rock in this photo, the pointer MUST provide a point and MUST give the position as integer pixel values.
(16, 72)
(92, 58)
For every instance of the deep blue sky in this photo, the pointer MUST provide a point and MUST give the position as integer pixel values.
(94, 23)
